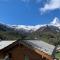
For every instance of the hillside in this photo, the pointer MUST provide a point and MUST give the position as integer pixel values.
(8, 33)
(50, 34)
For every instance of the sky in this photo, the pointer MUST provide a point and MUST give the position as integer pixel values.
(29, 12)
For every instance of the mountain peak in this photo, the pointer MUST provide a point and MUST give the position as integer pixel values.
(55, 21)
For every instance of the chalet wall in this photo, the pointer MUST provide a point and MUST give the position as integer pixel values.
(18, 52)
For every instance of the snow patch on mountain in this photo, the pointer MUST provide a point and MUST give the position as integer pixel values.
(55, 22)
(34, 28)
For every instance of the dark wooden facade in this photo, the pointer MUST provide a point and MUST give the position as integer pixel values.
(18, 51)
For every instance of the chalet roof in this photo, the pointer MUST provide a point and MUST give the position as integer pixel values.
(40, 45)
(34, 44)
(5, 43)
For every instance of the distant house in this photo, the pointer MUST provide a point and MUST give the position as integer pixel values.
(26, 50)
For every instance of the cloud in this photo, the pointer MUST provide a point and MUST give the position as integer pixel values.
(50, 5)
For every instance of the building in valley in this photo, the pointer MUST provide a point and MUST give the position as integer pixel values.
(26, 50)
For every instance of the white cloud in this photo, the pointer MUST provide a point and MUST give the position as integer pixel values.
(51, 5)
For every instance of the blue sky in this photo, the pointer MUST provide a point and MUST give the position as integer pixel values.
(29, 12)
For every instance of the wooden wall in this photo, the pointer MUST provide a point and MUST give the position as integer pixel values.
(19, 52)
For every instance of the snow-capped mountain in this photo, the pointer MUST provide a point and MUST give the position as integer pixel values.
(33, 28)
(55, 22)
(6, 30)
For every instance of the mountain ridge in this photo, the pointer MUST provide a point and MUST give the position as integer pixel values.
(55, 22)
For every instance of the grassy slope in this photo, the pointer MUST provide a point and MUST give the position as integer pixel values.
(57, 55)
